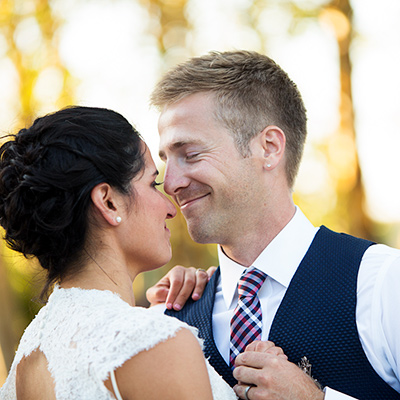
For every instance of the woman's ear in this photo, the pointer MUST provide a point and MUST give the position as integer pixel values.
(273, 142)
(104, 200)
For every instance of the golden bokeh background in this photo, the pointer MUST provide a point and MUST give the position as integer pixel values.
(344, 56)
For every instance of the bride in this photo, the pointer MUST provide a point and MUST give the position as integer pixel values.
(78, 191)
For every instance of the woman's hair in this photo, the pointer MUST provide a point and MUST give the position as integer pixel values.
(47, 173)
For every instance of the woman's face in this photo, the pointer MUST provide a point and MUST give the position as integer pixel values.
(146, 237)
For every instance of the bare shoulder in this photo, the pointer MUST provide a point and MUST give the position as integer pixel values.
(174, 368)
(33, 380)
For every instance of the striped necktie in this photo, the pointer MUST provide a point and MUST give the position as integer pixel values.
(246, 323)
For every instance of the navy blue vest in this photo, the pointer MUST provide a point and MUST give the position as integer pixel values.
(315, 319)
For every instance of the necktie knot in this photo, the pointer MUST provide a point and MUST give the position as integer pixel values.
(250, 282)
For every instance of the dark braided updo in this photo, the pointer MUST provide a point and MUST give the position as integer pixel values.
(47, 173)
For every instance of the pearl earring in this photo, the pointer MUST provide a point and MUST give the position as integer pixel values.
(118, 219)
(268, 165)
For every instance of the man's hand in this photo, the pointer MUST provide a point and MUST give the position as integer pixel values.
(265, 368)
(178, 285)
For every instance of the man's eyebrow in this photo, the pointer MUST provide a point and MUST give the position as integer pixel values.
(178, 145)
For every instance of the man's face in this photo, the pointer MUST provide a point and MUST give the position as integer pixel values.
(210, 181)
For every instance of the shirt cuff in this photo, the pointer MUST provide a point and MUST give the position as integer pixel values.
(331, 394)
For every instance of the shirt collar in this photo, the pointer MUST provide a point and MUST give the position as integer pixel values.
(279, 260)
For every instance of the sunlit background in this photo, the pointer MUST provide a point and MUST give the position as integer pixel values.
(344, 56)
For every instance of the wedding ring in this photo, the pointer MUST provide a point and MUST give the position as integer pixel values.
(246, 392)
(200, 270)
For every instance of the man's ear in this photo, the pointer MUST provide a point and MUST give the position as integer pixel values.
(104, 199)
(273, 142)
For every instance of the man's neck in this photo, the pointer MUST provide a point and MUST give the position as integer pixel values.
(250, 245)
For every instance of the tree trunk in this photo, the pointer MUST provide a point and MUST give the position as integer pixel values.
(350, 189)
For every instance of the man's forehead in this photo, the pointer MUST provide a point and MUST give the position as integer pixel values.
(182, 111)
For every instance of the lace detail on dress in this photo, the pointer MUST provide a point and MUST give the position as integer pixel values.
(85, 334)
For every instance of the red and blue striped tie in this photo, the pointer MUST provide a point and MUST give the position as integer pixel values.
(246, 323)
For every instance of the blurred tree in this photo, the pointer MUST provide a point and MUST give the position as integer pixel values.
(347, 212)
(7, 338)
(30, 30)
(170, 25)
(342, 148)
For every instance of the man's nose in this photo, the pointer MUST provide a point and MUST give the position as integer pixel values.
(174, 179)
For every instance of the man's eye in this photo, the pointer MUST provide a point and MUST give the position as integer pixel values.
(191, 156)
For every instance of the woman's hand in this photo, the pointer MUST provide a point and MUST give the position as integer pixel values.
(178, 285)
(266, 347)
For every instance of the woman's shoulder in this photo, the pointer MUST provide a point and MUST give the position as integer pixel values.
(106, 309)
(103, 325)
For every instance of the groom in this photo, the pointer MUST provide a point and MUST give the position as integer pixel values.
(232, 130)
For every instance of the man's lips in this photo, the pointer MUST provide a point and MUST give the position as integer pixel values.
(187, 202)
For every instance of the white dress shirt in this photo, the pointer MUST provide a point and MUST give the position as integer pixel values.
(378, 296)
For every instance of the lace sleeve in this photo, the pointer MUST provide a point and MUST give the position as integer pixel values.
(85, 335)
(153, 329)
(129, 332)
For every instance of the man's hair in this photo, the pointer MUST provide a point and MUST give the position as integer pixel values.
(250, 92)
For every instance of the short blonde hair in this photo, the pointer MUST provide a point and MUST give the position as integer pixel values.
(250, 92)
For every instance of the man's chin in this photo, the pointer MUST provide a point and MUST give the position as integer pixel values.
(202, 236)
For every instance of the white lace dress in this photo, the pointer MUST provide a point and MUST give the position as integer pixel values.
(87, 334)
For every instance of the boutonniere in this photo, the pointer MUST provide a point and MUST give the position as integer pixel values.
(305, 366)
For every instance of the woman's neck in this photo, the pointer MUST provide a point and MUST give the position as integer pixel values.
(103, 273)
